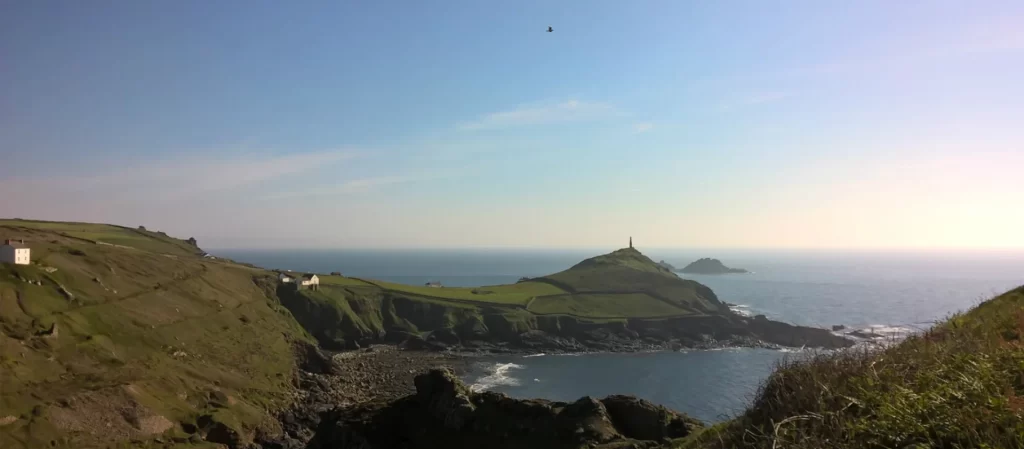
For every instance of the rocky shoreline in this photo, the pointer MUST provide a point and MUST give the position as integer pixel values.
(328, 383)
(443, 412)
(707, 332)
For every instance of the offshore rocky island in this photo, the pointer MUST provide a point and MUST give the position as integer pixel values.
(118, 336)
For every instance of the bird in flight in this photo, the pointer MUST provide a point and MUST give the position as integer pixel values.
(550, 29)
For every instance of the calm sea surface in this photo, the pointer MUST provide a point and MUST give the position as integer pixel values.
(888, 292)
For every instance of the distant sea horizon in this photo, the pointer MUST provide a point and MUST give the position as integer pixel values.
(888, 292)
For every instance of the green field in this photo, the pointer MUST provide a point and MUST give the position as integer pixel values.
(511, 294)
(114, 235)
(607, 305)
(342, 281)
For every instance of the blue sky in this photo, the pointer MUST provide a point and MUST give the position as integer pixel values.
(799, 124)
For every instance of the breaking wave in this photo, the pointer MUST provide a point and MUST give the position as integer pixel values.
(498, 374)
(741, 309)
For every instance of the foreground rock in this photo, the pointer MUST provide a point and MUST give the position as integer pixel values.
(323, 381)
(710, 266)
(445, 413)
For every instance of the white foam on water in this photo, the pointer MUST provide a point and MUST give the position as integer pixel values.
(878, 334)
(535, 355)
(741, 309)
(498, 376)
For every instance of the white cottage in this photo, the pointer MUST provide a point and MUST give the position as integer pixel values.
(15, 251)
(284, 278)
(310, 280)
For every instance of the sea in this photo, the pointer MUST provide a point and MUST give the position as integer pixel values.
(889, 294)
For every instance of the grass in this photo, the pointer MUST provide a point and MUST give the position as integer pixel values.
(115, 235)
(511, 294)
(166, 330)
(608, 305)
(629, 271)
(958, 385)
(343, 281)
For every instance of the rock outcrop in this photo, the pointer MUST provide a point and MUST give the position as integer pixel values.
(445, 413)
(710, 266)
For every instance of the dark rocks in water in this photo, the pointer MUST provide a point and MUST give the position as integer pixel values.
(838, 327)
(796, 336)
(710, 266)
(446, 413)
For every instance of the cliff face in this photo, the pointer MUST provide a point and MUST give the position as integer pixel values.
(445, 413)
(621, 301)
(344, 319)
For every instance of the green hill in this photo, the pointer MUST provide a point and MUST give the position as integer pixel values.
(632, 275)
(115, 334)
(958, 385)
(617, 301)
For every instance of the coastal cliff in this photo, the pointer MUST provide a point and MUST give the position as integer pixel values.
(621, 301)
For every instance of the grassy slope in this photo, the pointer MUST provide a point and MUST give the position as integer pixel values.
(511, 294)
(615, 286)
(621, 284)
(959, 385)
(627, 272)
(151, 331)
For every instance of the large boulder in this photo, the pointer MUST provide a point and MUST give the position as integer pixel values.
(643, 420)
(445, 398)
(444, 412)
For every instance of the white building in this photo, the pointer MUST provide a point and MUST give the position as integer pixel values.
(14, 251)
(284, 278)
(310, 280)
(434, 284)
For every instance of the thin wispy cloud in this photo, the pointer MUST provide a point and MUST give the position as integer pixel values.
(188, 176)
(354, 186)
(643, 127)
(568, 111)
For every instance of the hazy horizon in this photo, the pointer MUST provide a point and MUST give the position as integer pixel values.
(867, 126)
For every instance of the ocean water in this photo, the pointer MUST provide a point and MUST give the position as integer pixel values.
(890, 293)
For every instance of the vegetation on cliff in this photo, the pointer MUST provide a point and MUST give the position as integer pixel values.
(617, 301)
(958, 385)
(117, 334)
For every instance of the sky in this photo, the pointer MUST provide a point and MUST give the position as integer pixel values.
(458, 124)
